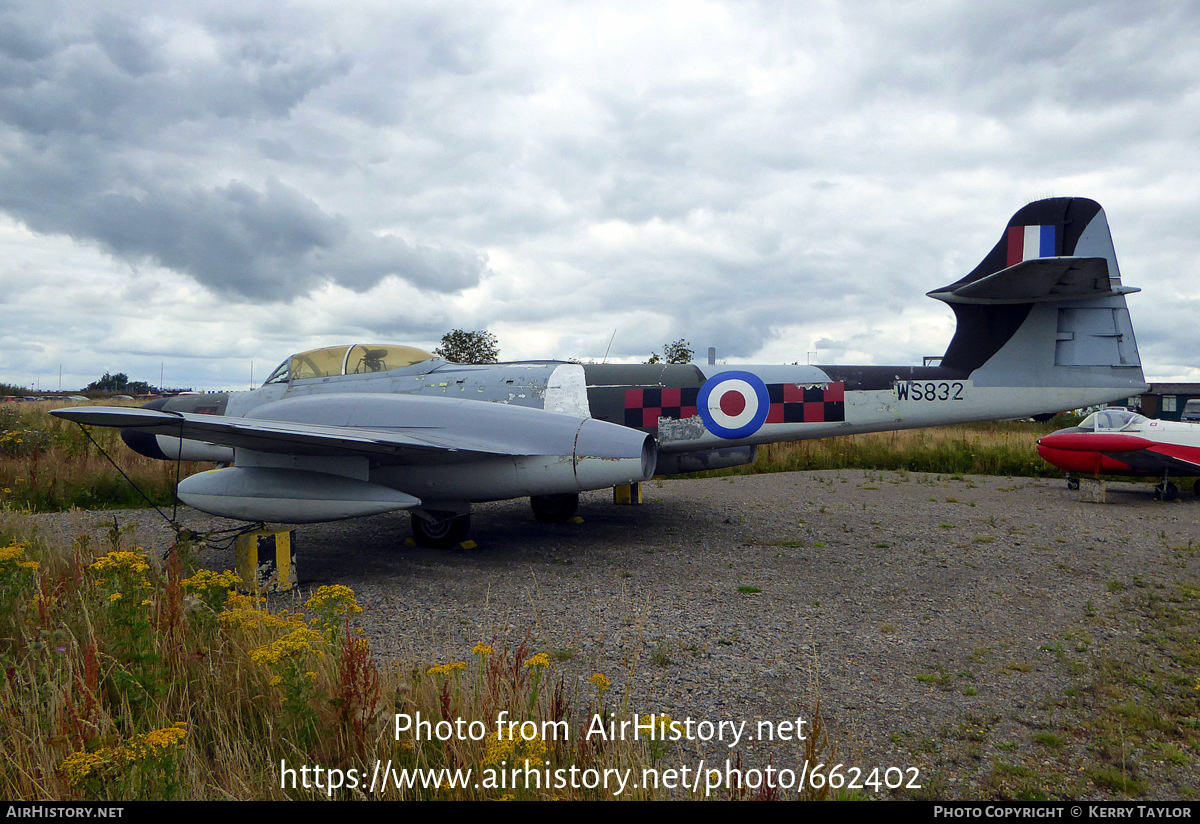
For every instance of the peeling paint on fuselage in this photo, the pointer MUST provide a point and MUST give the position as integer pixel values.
(672, 430)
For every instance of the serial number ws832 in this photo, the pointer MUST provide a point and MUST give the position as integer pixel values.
(931, 390)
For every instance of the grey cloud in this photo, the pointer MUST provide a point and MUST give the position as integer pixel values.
(1004, 58)
(270, 244)
(273, 244)
(23, 40)
(126, 46)
(90, 107)
(118, 79)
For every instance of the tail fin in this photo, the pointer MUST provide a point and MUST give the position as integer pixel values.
(1046, 306)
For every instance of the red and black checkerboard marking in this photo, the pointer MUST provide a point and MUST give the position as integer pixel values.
(643, 407)
(790, 403)
(806, 404)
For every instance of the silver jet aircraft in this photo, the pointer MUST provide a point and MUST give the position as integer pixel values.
(345, 431)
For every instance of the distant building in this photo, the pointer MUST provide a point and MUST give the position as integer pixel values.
(1166, 400)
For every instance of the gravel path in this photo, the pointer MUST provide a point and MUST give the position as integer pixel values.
(941, 622)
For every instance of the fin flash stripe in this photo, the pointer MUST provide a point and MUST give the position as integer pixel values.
(1028, 242)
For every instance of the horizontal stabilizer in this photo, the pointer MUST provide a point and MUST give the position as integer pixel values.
(1037, 280)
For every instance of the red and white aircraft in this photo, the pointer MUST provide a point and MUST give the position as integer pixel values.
(1116, 441)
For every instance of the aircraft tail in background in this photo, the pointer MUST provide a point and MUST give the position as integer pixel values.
(1046, 306)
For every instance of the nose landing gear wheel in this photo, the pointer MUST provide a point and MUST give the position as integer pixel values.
(1166, 491)
(555, 509)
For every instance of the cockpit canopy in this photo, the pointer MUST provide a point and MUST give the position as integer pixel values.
(356, 359)
(1114, 419)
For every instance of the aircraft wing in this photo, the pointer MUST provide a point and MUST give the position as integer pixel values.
(327, 456)
(403, 429)
(1159, 458)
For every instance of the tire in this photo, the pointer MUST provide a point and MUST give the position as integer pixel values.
(554, 509)
(442, 532)
(1072, 484)
(1166, 492)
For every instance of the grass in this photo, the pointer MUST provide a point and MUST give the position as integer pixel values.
(1130, 710)
(992, 448)
(51, 465)
(127, 679)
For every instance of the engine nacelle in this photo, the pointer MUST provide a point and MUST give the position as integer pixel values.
(168, 448)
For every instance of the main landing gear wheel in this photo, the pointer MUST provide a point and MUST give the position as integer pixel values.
(1072, 484)
(555, 509)
(1166, 491)
(442, 531)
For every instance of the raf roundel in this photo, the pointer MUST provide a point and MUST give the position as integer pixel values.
(733, 404)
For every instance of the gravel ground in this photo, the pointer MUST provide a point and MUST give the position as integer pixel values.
(941, 623)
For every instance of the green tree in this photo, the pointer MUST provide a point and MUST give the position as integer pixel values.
(679, 351)
(459, 346)
(118, 383)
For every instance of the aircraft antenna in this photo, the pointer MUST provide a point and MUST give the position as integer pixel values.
(610, 343)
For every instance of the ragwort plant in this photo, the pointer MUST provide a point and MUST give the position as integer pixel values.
(127, 678)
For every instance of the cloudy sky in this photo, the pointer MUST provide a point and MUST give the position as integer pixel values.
(202, 188)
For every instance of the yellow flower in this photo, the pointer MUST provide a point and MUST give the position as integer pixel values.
(446, 669)
(11, 552)
(600, 681)
(333, 604)
(246, 612)
(664, 724)
(206, 580)
(482, 649)
(122, 561)
(78, 766)
(539, 660)
(296, 643)
(156, 742)
(513, 750)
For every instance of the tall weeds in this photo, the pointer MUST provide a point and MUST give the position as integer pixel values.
(50, 465)
(128, 678)
(999, 448)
